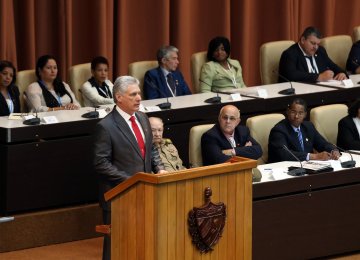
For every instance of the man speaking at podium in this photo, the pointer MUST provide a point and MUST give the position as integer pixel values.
(299, 136)
(123, 145)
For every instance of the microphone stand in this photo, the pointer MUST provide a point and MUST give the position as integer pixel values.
(91, 114)
(165, 105)
(297, 171)
(212, 100)
(288, 91)
(31, 121)
(347, 164)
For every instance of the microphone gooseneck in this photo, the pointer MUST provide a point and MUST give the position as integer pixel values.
(288, 91)
(91, 114)
(347, 164)
(298, 171)
(165, 105)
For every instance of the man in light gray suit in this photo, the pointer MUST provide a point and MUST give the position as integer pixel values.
(118, 151)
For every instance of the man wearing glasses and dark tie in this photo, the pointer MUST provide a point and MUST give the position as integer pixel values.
(300, 137)
(227, 138)
(307, 61)
(165, 80)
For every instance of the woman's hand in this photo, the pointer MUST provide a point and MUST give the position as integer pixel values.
(71, 106)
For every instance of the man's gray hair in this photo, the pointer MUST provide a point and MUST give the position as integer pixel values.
(121, 84)
(164, 51)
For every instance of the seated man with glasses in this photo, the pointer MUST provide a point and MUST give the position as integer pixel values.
(299, 136)
(227, 138)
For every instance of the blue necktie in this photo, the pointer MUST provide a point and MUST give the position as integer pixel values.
(299, 135)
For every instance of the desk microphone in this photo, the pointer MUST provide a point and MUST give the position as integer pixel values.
(297, 171)
(31, 121)
(212, 100)
(91, 114)
(347, 164)
(165, 105)
(288, 91)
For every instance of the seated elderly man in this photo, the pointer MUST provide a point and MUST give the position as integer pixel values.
(298, 136)
(227, 138)
(168, 153)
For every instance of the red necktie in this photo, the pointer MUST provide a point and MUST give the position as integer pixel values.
(138, 135)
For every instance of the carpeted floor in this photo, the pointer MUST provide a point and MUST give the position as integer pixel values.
(89, 249)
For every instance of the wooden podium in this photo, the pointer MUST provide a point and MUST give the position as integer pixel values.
(150, 212)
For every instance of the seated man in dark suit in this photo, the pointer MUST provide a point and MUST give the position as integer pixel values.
(299, 136)
(165, 80)
(227, 138)
(307, 61)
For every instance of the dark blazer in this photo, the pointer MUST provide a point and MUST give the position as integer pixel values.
(15, 97)
(214, 141)
(156, 77)
(116, 152)
(353, 60)
(283, 134)
(293, 65)
(348, 135)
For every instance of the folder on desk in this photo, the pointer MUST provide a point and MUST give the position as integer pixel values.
(313, 167)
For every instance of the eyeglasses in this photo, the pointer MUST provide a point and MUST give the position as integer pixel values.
(231, 118)
(297, 113)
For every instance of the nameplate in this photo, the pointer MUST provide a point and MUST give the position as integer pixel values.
(152, 108)
(142, 108)
(26, 117)
(16, 116)
(262, 93)
(50, 119)
(348, 83)
(235, 97)
(102, 113)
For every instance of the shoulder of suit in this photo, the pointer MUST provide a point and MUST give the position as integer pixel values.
(167, 141)
(234, 63)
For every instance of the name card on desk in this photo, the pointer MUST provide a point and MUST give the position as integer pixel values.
(235, 97)
(152, 108)
(348, 83)
(26, 117)
(262, 93)
(50, 119)
(102, 113)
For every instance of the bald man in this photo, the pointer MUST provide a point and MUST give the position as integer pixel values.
(168, 153)
(227, 138)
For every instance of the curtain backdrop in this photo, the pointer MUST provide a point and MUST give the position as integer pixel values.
(124, 31)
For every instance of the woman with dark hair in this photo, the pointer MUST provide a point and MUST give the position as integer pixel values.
(220, 73)
(349, 128)
(98, 89)
(49, 93)
(9, 98)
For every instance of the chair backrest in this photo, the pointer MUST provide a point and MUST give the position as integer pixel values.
(270, 54)
(23, 79)
(197, 60)
(196, 132)
(326, 119)
(356, 34)
(260, 127)
(78, 75)
(138, 70)
(338, 48)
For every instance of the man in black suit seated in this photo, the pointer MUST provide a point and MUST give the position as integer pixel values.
(227, 138)
(299, 136)
(307, 61)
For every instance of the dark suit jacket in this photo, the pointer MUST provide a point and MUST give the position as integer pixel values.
(214, 141)
(116, 152)
(293, 65)
(353, 60)
(157, 77)
(283, 134)
(348, 135)
(14, 93)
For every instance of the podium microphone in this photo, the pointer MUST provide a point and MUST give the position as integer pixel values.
(31, 121)
(212, 100)
(288, 91)
(165, 105)
(297, 171)
(347, 164)
(91, 114)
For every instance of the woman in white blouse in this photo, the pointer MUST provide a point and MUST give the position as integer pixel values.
(98, 89)
(49, 93)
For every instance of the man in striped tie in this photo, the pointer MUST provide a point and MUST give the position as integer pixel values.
(299, 136)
